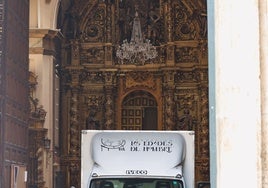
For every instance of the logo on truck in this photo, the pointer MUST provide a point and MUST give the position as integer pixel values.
(137, 145)
(136, 172)
(113, 144)
(151, 145)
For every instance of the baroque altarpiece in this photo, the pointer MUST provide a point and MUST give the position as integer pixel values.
(99, 91)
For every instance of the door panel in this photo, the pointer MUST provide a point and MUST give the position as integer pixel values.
(149, 119)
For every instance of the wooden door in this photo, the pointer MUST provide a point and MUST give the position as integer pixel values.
(139, 111)
(149, 119)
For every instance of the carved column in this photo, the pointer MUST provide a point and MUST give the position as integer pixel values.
(204, 121)
(203, 160)
(169, 31)
(75, 52)
(170, 54)
(168, 16)
(74, 129)
(109, 21)
(109, 102)
(74, 151)
(74, 126)
(109, 108)
(169, 103)
(204, 131)
(108, 46)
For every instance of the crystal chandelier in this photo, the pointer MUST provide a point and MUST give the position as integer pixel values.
(137, 51)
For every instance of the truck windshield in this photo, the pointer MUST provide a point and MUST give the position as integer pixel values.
(135, 183)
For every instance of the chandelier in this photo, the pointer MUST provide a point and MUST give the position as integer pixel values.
(138, 50)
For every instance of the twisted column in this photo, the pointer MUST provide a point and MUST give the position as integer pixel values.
(204, 122)
(74, 129)
(169, 103)
(109, 111)
(167, 9)
(169, 110)
(109, 102)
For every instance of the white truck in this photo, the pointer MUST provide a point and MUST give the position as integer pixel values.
(137, 159)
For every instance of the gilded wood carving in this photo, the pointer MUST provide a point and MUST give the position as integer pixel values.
(95, 86)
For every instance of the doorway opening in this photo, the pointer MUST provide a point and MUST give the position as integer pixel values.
(139, 111)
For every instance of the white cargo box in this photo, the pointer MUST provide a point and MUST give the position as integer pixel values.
(163, 154)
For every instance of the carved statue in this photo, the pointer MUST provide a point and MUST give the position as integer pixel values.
(185, 122)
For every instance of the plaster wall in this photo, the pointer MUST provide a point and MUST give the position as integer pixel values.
(238, 94)
(264, 88)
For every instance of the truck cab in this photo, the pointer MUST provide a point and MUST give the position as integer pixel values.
(135, 182)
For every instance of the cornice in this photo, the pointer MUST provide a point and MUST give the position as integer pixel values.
(42, 41)
(41, 33)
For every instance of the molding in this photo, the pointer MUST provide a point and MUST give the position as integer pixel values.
(43, 41)
(40, 33)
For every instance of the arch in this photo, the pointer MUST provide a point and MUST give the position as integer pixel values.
(56, 5)
(139, 111)
(86, 10)
(44, 14)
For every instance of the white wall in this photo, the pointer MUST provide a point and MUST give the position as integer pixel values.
(264, 88)
(238, 96)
